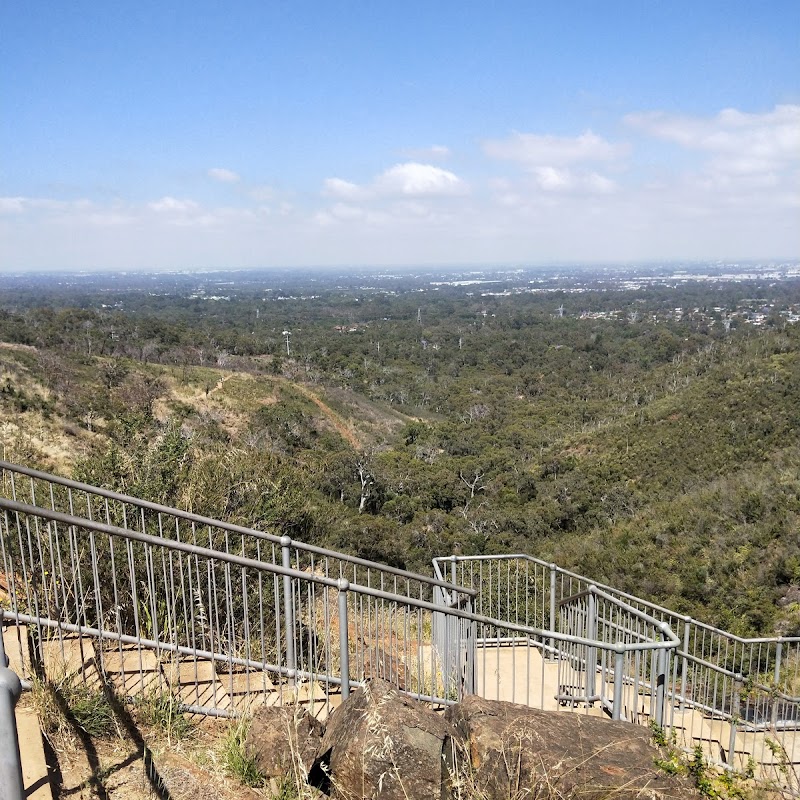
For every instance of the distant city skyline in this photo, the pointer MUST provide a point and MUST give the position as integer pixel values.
(198, 136)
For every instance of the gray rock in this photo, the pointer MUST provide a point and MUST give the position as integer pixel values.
(283, 738)
(381, 744)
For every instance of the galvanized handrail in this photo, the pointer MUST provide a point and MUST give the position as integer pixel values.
(226, 526)
(618, 593)
(632, 610)
(341, 585)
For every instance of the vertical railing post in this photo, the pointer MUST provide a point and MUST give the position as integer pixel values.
(736, 710)
(687, 630)
(776, 684)
(591, 652)
(619, 669)
(288, 610)
(552, 627)
(661, 677)
(344, 645)
(454, 637)
(470, 686)
(11, 784)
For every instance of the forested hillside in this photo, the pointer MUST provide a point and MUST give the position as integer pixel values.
(649, 439)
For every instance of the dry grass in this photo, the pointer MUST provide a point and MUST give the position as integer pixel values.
(66, 706)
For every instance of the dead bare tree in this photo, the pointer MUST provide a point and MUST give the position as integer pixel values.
(472, 483)
(367, 483)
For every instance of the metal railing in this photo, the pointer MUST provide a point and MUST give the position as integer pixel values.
(737, 698)
(154, 599)
(44, 490)
(592, 649)
(220, 627)
(293, 609)
(169, 607)
(167, 593)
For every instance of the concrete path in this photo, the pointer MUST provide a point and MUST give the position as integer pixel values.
(35, 774)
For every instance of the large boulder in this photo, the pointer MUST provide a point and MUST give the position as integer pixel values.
(283, 740)
(503, 750)
(381, 744)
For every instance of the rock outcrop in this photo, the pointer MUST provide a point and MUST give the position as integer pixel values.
(382, 744)
(504, 750)
(283, 740)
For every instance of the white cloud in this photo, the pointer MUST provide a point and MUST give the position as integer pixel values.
(751, 169)
(261, 193)
(109, 219)
(558, 180)
(189, 214)
(534, 151)
(415, 179)
(336, 187)
(557, 164)
(345, 211)
(409, 180)
(551, 179)
(412, 208)
(172, 205)
(12, 205)
(549, 197)
(738, 143)
(223, 175)
(19, 205)
(600, 184)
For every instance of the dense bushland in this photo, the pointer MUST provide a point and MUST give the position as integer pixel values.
(655, 451)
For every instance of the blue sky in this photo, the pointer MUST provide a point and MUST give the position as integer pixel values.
(178, 135)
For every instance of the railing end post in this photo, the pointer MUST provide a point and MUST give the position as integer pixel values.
(9, 680)
(344, 645)
(288, 607)
(552, 620)
(10, 763)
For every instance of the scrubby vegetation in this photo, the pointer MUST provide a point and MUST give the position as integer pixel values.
(653, 450)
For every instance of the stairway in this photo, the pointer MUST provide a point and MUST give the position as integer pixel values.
(136, 673)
